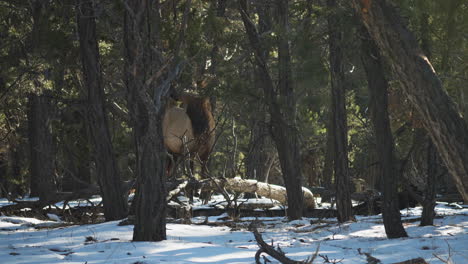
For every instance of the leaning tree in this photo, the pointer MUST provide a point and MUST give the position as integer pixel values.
(420, 84)
(281, 102)
(114, 200)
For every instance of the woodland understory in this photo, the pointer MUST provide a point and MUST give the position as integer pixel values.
(360, 104)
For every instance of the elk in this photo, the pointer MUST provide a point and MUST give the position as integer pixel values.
(189, 129)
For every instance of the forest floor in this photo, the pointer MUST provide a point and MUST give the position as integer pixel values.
(221, 240)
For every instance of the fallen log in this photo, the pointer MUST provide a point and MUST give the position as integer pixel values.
(55, 198)
(84, 193)
(271, 191)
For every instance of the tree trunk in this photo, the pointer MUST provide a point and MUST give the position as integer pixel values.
(421, 86)
(114, 200)
(281, 106)
(16, 188)
(146, 117)
(41, 147)
(450, 33)
(328, 166)
(261, 151)
(429, 202)
(220, 6)
(260, 155)
(77, 154)
(378, 90)
(3, 175)
(340, 127)
(284, 128)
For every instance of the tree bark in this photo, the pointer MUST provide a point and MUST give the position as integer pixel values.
(421, 86)
(146, 117)
(450, 33)
(281, 107)
(114, 200)
(41, 147)
(284, 128)
(260, 155)
(327, 173)
(378, 90)
(16, 189)
(429, 202)
(261, 151)
(77, 152)
(340, 127)
(3, 176)
(220, 7)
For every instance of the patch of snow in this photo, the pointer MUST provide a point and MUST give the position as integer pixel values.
(110, 243)
(54, 217)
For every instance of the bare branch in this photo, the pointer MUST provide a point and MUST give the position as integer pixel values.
(276, 253)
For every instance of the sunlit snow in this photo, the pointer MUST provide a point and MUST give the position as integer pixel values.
(28, 240)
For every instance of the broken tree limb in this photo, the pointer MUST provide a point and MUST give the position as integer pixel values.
(277, 253)
(372, 260)
(369, 258)
(412, 261)
(270, 250)
(271, 191)
(176, 190)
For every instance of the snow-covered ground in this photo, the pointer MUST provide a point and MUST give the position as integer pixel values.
(27, 240)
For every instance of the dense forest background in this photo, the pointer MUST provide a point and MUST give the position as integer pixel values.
(303, 58)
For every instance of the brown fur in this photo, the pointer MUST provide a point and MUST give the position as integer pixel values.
(176, 126)
(194, 121)
(203, 123)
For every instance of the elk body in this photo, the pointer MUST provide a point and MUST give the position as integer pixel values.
(189, 129)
